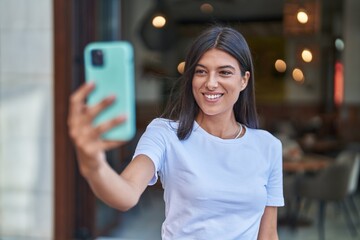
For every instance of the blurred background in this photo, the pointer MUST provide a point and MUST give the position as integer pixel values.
(307, 68)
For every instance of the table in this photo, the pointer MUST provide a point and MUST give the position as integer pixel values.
(320, 146)
(307, 163)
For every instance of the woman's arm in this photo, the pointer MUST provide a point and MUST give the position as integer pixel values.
(268, 224)
(119, 191)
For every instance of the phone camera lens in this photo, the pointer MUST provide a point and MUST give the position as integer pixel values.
(97, 57)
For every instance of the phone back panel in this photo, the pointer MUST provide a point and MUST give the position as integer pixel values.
(114, 77)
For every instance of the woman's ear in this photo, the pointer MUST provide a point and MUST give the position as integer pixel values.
(245, 80)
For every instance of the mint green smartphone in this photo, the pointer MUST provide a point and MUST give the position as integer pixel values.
(110, 65)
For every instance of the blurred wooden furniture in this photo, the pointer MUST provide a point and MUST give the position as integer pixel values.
(307, 163)
(295, 166)
(331, 184)
(327, 146)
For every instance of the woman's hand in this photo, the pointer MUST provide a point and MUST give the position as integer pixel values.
(90, 146)
(119, 191)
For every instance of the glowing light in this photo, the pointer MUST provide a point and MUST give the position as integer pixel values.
(298, 75)
(339, 44)
(206, 8)
(306, 55)
(338, 83)
(302, 16)
(280, 65)
(159, 21)
(181, 67)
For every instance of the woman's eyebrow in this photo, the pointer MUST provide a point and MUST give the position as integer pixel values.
(221, 67)
(200, 65)
(227, 66)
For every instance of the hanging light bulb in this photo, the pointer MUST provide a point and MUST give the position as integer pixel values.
(306, 55)
(157, 29)
(280, 65)
(206, 8)
(181, 67)
(159, 21)
(298, 75)
(302, 16)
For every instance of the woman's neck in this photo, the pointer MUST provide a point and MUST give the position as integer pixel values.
(225, 128)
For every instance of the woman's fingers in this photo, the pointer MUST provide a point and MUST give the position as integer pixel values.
(104, 127)
(88, 138)
(78, 125)
(97, 108)
(77, 99)
(78, 106)
(85, 135)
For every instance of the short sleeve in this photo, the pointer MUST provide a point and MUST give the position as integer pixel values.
(152, 144)
(274, 185)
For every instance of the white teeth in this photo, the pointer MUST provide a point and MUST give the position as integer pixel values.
(214, 96)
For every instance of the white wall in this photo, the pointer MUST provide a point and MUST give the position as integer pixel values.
(26, 123)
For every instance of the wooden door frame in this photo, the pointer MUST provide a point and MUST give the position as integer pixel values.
(74, 211)
(63, 153)
(74, 203)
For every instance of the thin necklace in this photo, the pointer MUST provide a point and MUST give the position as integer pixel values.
(240, 130)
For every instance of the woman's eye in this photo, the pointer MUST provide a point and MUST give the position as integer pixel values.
(200, 72)
(225, 73)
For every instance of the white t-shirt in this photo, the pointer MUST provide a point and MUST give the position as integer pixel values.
(214, 188)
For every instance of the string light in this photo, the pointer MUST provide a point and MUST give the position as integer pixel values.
(181, 67)
(159, 21)
(298, 75)
(302, 16)
(306, 55)
(206, 8)
(280, 65)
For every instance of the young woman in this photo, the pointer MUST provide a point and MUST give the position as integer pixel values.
(222, 176)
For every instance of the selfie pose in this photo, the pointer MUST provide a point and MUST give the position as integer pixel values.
(222, 176)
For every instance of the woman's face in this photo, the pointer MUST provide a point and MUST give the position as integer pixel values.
(217, 83)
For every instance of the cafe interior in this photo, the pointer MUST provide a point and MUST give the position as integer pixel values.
(307, 68)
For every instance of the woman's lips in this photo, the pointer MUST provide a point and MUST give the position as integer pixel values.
(212, 96)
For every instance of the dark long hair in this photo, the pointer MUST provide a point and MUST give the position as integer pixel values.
(182, 106)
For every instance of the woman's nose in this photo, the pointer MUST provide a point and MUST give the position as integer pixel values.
(212, 82)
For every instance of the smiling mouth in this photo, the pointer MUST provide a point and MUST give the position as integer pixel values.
(212, 96)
